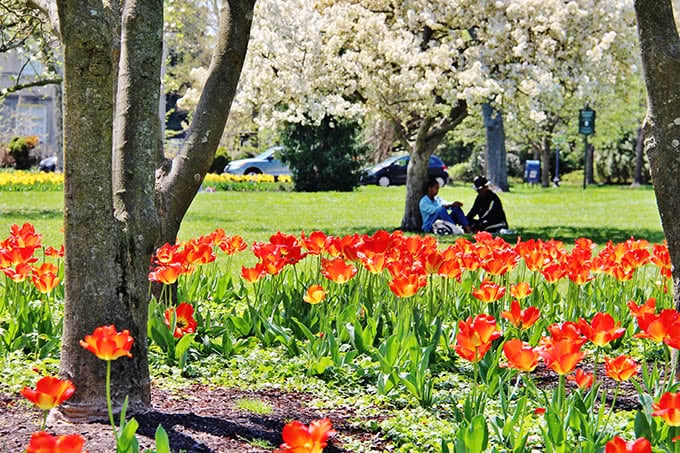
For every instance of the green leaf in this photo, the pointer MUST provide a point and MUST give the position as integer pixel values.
(162, 440)
(183, 345)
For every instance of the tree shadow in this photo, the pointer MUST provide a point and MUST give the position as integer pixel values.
(185, 431)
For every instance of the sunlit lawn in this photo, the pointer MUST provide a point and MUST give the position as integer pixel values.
(601, 213)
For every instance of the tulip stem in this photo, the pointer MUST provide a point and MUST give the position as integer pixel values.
(44, 421)
(108, 400)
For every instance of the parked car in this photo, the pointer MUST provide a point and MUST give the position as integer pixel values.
(392, 171)
(48, 164)
(268, 163)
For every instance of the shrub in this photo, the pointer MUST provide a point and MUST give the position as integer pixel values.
(19, 149)
(323, 157)
(220, 161)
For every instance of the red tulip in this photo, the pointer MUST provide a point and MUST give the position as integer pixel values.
(561, 356)
(184, 319)
(602, 329)
(475, 337)
(107, 343)
(522, 319)
(583, 380)
(489, 291)
(406, 286)
(299, 438)
(621, 368)
(337, 270)
(42, 442)
(668, 408)
(49, 392)
(520, 355)
(619, 445)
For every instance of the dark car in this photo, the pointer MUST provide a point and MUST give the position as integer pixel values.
(392, 171)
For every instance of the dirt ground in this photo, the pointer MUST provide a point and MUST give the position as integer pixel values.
(200, 419)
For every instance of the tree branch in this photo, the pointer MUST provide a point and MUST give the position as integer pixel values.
(22, 86)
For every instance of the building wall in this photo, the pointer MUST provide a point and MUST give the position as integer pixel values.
(27, 112)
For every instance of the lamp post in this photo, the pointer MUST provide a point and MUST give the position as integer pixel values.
(586, 126)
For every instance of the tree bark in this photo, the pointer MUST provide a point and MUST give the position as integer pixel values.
(496, 156)
(546, 144)
(121, 195)
(639, 147)
(428, 137)
(660, 49)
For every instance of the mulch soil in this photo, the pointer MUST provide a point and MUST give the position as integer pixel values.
(198, 420)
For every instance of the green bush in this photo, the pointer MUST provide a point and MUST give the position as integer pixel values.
(324, 157)
(19, 149)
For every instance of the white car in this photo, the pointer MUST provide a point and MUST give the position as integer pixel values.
(268, 163)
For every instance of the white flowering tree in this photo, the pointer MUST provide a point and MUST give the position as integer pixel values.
(423, 64)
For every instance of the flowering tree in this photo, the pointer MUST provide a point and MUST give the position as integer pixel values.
(660, 47)
(122, 196)
(423, 65)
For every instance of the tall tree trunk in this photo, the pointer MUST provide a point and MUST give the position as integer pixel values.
(496, 157)
(545, 160)
(91, 233)
(639, 146)
(660, 48)
(121, 195)
(430, 135)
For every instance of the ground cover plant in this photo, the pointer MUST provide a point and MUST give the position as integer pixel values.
(404, 342)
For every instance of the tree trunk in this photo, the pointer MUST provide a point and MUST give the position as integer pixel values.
(545, 160)
(429, 136)
(660, 48)
(121, 195)
(639, 146)
(496, 157)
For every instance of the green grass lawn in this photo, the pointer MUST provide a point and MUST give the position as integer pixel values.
(601, 213)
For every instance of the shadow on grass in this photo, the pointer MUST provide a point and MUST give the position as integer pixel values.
(33, 214)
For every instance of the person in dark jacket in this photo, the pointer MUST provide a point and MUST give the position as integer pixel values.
(487, 212)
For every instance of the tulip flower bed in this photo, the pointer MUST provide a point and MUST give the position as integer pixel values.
(473, 346)
(22, 181)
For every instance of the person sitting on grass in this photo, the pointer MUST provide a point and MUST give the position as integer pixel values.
(433, 208)
(487, 212)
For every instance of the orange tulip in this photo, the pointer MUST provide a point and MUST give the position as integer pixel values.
(56, 253)
(45, 277)
(668, 408)
(299, 438)
(315, 242)
(406, 286)
(657, 327)
(648, 308)
(567, 330)
(553, 272)
(184, 319)
(602, 329)
(489, 291)
(522, 319)
(107, 343)
(583, 380)
(520, 355)
(49, 392)
(619, 445)
(662, 259)
(520, 290)
(337, 270)
(314, 294)
(475, 337)
(167, 273)
(621, 368)
(561, 356)
(252, 274)
(42, 442)
(21, 273)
